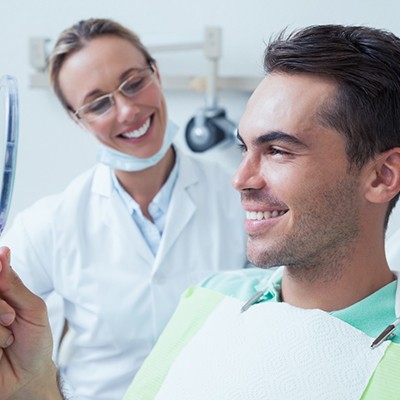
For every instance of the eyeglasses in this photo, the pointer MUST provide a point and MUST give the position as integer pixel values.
(102, 105)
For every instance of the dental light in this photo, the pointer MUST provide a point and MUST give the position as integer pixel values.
(208, 128)
(210, 125)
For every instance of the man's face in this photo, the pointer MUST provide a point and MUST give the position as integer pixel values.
(302, 203)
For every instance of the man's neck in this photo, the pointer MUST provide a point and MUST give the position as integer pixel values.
(334, 292)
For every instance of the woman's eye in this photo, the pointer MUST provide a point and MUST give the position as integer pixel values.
(133, 86)
(99, 106)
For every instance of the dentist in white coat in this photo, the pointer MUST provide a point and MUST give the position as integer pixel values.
(127, 237)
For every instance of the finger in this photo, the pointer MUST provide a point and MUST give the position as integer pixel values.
(7, 314)
(15, 293)
(6, 337)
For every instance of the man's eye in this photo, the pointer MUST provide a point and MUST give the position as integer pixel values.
(241, 146)
(277, 151)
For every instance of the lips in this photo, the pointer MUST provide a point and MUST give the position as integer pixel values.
(137, 133)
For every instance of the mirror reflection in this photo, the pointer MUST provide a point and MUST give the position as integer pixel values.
(8, 143)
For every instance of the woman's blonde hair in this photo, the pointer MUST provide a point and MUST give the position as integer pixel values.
(77, 36)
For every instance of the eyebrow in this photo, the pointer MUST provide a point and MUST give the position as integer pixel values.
(125, 75)
(274, 136)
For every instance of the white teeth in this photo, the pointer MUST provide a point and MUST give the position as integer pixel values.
(267, 214)
(259, 215)
(138, 132)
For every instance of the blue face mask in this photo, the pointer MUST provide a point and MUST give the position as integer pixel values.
(125, 162)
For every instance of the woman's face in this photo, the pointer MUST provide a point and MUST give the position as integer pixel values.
(135, 125)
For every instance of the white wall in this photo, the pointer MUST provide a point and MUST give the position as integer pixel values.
(52, 149)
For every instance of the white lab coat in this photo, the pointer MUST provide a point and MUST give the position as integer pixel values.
(392, 245)
(392, 242)
(118, 297)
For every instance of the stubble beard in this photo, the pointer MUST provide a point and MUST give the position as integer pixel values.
(322, 239)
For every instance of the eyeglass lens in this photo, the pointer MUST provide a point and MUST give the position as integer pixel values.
(129, 88)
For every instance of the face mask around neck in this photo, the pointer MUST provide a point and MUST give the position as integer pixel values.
(126, 162)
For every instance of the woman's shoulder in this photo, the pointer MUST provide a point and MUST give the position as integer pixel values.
(48, 207)
(206, 174)
(202, 164)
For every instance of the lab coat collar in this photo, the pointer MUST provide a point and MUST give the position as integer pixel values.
(102, 181)
(115, 215)
(181, 209)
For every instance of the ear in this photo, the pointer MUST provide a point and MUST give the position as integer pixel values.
(383, 181)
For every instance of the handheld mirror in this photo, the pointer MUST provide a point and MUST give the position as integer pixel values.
(8, 143)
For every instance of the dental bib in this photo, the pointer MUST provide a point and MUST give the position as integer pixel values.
(271, 351)
(126, 162)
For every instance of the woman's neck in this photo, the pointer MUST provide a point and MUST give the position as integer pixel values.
(144, 185)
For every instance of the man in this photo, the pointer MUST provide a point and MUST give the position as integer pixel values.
(319, 178)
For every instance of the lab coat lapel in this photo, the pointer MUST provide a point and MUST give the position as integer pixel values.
(117, 218)
(181, 208)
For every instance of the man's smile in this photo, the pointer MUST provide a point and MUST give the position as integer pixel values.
(259, 215)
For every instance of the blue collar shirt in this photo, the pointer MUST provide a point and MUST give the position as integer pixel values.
(151, 231)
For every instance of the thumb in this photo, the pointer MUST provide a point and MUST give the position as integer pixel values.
(15, 293)
(26, 364)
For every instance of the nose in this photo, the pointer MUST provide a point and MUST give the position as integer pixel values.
(126, 108)
(248, 175)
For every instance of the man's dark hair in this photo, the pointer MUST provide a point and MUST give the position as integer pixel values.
(364, 63)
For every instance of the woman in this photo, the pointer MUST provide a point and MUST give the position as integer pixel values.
(124, 239)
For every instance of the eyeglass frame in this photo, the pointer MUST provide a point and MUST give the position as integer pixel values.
(111, 95)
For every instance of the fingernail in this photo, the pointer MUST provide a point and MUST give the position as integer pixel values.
(9, 341)
(7, 318)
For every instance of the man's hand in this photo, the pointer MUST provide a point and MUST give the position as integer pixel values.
(26, 368)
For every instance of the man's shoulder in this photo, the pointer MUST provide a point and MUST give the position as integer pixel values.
(240, 284)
